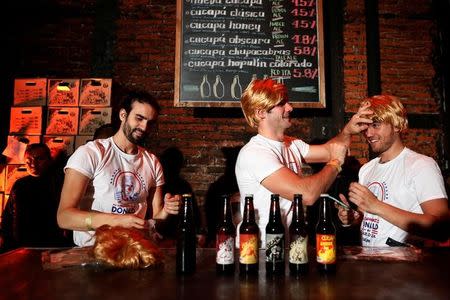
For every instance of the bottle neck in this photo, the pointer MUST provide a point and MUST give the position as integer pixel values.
(324, 210)
(226, 216)
(297, 211)
(275, 214)
(249, 211)
(186, 209)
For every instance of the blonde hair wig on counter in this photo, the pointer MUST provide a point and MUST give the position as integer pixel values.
(125, 248)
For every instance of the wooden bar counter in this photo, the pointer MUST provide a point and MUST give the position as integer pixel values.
(24, 276)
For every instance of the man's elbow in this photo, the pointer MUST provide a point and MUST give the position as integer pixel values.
(309, 198)
(61, 220)
(437, 229)
(440, 229)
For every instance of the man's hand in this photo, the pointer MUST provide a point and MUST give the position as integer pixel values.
(128, 221)
(338, 151)
(346, 216)
(364, 198)
(172, 204)
(359, 121)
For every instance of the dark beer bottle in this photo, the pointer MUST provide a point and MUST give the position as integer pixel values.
(248, 240)
(298, 239)
(325, 239)
(186, 238)
(225, 240)
(275, 238)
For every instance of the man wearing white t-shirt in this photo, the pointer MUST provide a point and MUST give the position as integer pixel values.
(400, 193)
(127, 179)
(270, 163)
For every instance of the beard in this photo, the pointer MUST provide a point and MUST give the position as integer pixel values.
(128, 131)
(381, 146)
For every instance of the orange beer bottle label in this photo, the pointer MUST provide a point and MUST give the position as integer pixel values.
(248, 248)
(326, 248)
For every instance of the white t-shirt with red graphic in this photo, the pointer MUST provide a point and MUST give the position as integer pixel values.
(258, 159)
(121, 181)
(404, 182)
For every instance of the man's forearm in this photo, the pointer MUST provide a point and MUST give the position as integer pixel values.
(421, 224)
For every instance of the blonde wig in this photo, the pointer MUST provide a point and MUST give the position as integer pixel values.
(125, 248)
(262, 94)
(388, 109)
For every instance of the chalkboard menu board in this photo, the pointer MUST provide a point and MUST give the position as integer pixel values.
(223, 44)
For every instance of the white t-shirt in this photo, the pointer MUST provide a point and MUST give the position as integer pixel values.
(404, 182)
(121, 181)
(258, 159)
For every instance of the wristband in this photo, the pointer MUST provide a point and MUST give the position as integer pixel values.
(335, 163)
(88, 222)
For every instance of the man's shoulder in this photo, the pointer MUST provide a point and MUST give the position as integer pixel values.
(99, 145)
(292, 139)
(411, 154)
(148, 155)
(91, 152)
(24, 180)
(255, 144)
(413, 158)
(369, 165)
(22, 185)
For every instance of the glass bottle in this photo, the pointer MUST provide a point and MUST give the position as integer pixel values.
(275, 238)
(325, 239)
(298, 239)
(225, 240)
(186, 238)
(248, 240)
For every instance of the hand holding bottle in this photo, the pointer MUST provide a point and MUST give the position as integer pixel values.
(172, 204)
(345, 215)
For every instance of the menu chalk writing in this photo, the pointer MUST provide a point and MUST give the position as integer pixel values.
(222, 45)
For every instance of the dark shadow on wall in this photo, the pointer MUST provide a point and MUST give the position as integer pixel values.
(224, 185)
(172, 161)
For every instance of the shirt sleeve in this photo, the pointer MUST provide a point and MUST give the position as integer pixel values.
(259, 162)
(302, 147)
(83, 160)
(159, 175)
(427, 180)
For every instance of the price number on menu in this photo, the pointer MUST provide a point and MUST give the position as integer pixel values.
(310, 73)
(305, 50)
(304, 39)
(304, 3)
(303, 12)
(304, 24)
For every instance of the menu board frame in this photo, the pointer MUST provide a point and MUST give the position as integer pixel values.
(298, 98)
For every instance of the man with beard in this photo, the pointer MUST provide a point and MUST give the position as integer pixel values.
(271, 162)
(113, 164)
(400, 193)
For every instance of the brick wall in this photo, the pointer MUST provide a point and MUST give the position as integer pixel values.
(61, 43)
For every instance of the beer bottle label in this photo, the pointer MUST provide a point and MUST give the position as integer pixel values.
(274, 247)
(224, 249)
(326, 248)
(298, 249)
(248, 248)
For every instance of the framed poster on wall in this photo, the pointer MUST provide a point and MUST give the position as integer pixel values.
(222, 45)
